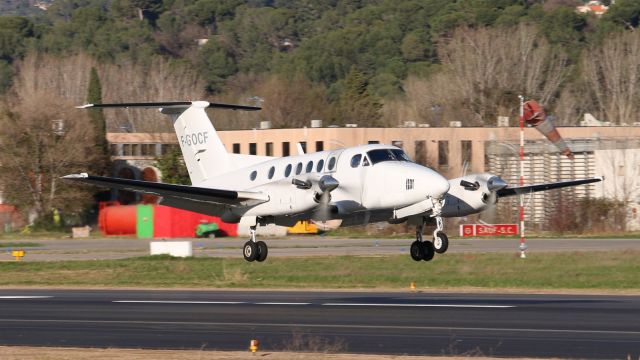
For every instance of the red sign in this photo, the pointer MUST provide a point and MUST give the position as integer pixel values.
(488, 230)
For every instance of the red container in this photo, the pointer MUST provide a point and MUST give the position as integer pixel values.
(118, 220)
(173, 223)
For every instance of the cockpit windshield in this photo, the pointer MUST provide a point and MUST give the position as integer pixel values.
(380, 155)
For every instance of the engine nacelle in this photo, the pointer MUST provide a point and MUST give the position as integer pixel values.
(471, 194)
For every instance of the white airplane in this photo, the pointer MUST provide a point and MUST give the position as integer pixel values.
(358, 185)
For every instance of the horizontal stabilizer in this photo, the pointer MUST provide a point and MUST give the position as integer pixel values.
(171, 105)
(510, 191)
(184, 192)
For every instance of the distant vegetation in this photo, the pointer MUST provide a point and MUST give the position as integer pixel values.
(373, 62)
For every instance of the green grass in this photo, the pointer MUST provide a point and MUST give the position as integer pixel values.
(566, 270)
(18, 244)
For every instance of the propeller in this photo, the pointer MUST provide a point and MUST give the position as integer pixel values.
(326, 185)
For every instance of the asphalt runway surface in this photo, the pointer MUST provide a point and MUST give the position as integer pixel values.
(118, 248)
(576, 326)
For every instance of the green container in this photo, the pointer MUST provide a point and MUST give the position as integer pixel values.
(144, 221)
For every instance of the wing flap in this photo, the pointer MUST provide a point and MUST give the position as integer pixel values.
(189, 193)
(511, 191)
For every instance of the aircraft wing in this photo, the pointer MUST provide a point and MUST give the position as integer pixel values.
(188, 196)
(517, 190)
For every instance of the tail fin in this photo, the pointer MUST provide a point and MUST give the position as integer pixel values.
(203, 151)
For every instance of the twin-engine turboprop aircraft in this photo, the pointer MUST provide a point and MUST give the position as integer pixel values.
(358, 185)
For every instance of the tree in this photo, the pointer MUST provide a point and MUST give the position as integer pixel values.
(42, 139)
(172, 167)
(612, 73)
(101, 151)
(356, 103)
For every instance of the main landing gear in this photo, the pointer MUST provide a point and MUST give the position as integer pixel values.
(255, 250)
(425, 250)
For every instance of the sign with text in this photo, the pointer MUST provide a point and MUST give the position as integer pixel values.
(467, 230)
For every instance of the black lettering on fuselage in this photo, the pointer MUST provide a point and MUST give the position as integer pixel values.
(198, 138)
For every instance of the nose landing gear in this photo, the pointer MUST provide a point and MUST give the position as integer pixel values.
(425, 250)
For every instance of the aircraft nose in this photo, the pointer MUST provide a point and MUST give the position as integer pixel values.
(439, 186)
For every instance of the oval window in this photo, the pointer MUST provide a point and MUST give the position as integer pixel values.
(355, 160)
(320, 165)
(332, 163)
(309, 166)
(272, 171)
(253, 175)
(287, 171)
(298, 168)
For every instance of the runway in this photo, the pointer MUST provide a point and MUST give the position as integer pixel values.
(574, 326)
(119, 248)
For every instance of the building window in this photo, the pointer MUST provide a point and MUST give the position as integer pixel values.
(374, 142)
(465, 146)
(319, 146)
(443, 153)
(148, 149)
(253, 149)
(236, 148)
(303, 145)
(421, 152)
(397, 143)
(268, 149)
(115, 150)
(285, 149)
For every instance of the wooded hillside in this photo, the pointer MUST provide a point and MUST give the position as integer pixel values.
(372, 62)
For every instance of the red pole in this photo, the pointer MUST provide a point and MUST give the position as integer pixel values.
(523, 245)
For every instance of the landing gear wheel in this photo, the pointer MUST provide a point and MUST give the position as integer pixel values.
(417, 252)
(427, 250)
(263, 250)
(440, 242)
(250, 251)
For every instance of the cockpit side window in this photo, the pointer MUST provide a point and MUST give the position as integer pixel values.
(400, 155)
(365, 162)
(355, 160)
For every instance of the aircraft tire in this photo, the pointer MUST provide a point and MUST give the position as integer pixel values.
(417, 253)
(263, 250)
(250, 251)
(440, 242)
(427, 250)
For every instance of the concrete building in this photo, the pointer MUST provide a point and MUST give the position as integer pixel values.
(454, 151)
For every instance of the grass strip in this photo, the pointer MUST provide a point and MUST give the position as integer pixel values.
(562, 270)
(18, 245)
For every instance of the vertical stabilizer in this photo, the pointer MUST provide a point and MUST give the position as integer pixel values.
(204, 154)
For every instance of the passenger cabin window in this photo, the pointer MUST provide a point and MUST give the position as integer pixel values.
(355, 160)
(253, 175)
(332, 164)
(298, 168)
(309, 167)
(320, 165)
(287, 170)
(272, 171)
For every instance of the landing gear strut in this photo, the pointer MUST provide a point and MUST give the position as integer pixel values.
(255, 250)
(440, 239)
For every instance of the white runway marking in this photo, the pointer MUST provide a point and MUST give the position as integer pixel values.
(179, 302)
(24, 297)
(282, 303)
(423, 305)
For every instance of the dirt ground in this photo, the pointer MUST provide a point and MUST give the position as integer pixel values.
(47, 353)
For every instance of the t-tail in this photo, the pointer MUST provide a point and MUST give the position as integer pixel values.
(204, 154)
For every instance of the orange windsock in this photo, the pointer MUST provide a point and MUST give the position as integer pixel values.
(534, 115)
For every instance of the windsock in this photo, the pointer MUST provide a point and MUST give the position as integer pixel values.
(534, 115)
